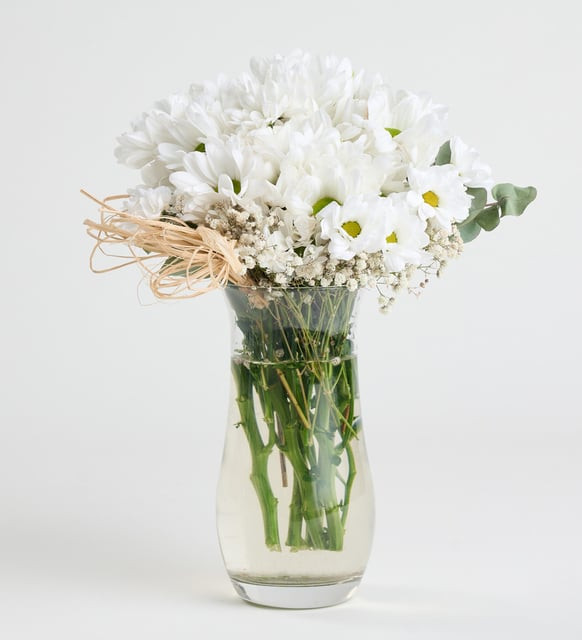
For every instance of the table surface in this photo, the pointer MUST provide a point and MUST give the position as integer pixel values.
(474, 539)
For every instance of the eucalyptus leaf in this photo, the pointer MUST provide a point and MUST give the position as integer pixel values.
(513, 200)
(485, 218)
(479, 200)
(444, 154)
(488, 218)
(478, 203)
(469, 231)
(510, 201)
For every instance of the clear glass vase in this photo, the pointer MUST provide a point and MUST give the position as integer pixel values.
(295, 506)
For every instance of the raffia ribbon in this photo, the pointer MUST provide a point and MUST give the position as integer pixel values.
(195, 261)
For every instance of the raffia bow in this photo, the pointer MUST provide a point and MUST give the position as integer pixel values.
(194, 261)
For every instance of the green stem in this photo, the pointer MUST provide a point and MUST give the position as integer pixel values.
(326, 469)
(259, 456)
(294, 539)
(307, 405)
(349, 482)
(307, 487)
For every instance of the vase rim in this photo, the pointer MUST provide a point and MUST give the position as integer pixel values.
(256, 287)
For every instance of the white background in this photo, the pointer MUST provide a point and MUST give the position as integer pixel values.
(112, 428)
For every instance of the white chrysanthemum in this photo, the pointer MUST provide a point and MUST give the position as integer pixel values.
(404, 233)
(276, 88)
(421, 143)
(146, 202)
(303, 174)
(394, 113)
(354, 227)
(399, 129)
(305, 162)
(297, 85)
(188, 134)
(225, 168)
(160, 138)
(310, 139)
(310, 178)
(139, 146)
(407, 109)
(318, 169)
(473, 171)
(440, 194)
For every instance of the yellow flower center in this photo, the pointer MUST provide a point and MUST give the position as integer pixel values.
(392, 238)
(352, 228)
(431, 198)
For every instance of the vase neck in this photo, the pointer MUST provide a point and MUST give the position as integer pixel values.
(293, 324)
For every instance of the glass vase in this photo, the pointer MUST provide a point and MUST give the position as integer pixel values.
(295, 506)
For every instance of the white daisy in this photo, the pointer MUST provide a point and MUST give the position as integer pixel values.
(440, 194)
(295, 86)
(188, 133)
(404, 233)
(353, 227)
(421, 143)
(149, 203)
(473, 171)
(225, 167)
(407, 110)
(336, 161)
(159, 139)
(139, 146)
(313, 176)
(155, 174)
(400, 129)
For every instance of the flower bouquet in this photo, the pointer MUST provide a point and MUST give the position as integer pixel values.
(293, 187)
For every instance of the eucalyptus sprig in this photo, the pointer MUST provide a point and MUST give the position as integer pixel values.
(509, 200)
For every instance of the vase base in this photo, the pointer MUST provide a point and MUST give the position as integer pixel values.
(293, 596)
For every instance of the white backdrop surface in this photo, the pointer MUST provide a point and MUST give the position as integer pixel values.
(111, 430)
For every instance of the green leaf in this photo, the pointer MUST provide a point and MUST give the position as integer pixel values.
(469, 231)
(444, 154)
(236, 186)
(489, 218)
(469, 228)
(481, 218)
(201, 148)
(393, 132)
(321, 204)
(513, 200)
(479, 200)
